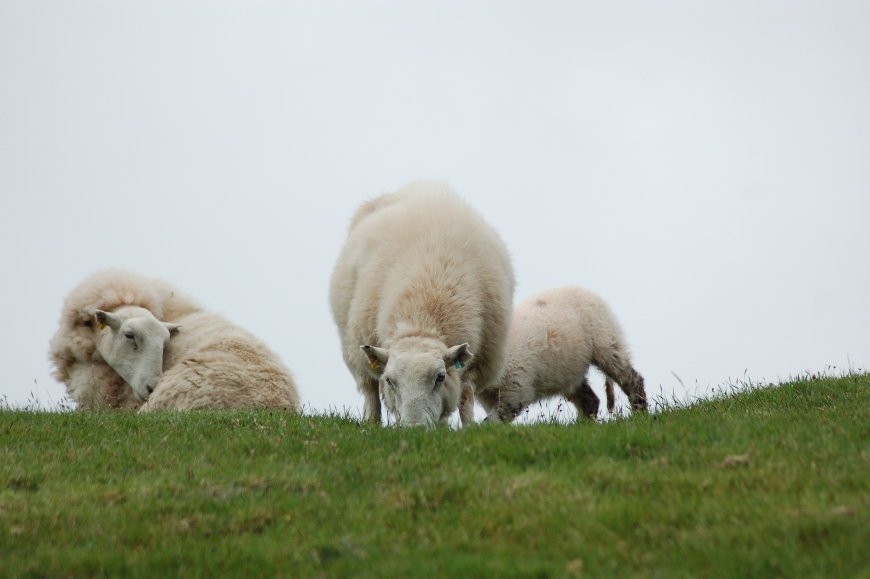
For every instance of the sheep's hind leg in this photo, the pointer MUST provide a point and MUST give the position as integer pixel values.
(585, 400)
(633, 386)
(619, 369)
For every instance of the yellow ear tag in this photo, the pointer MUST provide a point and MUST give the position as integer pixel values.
(375, 364)
(100, 324)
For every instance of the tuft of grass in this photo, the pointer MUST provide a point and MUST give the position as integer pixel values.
(772, 481)
(36, 404)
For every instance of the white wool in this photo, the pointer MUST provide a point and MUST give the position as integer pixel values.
(555, 336)
(210, 363)
(421, 272)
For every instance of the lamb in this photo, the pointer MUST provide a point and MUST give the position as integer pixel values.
(421, 295)
(128, 341)
(555, 336)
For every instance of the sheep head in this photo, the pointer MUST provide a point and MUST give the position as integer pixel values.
(419, 378)
(131, 340)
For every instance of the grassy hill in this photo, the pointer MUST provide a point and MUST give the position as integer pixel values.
(774, 482)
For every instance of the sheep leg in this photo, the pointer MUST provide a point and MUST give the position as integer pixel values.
(611, 399)
(619, 369)
(489, 400)
(371, 400)
(466, 405)
(585, 400)
(632, 385)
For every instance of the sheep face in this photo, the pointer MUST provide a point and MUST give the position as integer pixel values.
(131, 341)
(419, 379)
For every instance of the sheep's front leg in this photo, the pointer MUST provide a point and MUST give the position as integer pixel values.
(489, 400)
(466, 405)
(371, 400)
(585, 400)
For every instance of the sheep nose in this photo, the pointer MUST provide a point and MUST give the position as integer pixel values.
(150, 389)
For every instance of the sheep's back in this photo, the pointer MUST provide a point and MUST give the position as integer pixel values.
(213, 363)
(555, 333)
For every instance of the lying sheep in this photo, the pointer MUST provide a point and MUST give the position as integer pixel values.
(554, 337)
(90, 382)
(421, 295)
(127, 341)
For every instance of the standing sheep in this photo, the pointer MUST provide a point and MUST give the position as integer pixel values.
(127, 341)
(554, 337)
(421, 295)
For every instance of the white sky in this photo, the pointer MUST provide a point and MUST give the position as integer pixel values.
(703, 166)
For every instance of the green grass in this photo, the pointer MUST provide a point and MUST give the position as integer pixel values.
(773, 482)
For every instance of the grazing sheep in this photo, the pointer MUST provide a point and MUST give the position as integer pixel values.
(128, 341)
(554, 337)
(421, 295)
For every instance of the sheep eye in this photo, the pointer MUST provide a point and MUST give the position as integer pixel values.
(439, 380)
(129, 335)
(390, 383)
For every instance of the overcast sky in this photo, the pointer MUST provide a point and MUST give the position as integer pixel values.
(703, 166)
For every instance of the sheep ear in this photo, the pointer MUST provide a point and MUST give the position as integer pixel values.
(377, 359)
(106, 319)
(458, 356)
(173, 328)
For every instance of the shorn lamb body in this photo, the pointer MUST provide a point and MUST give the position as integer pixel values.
(555, 336)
